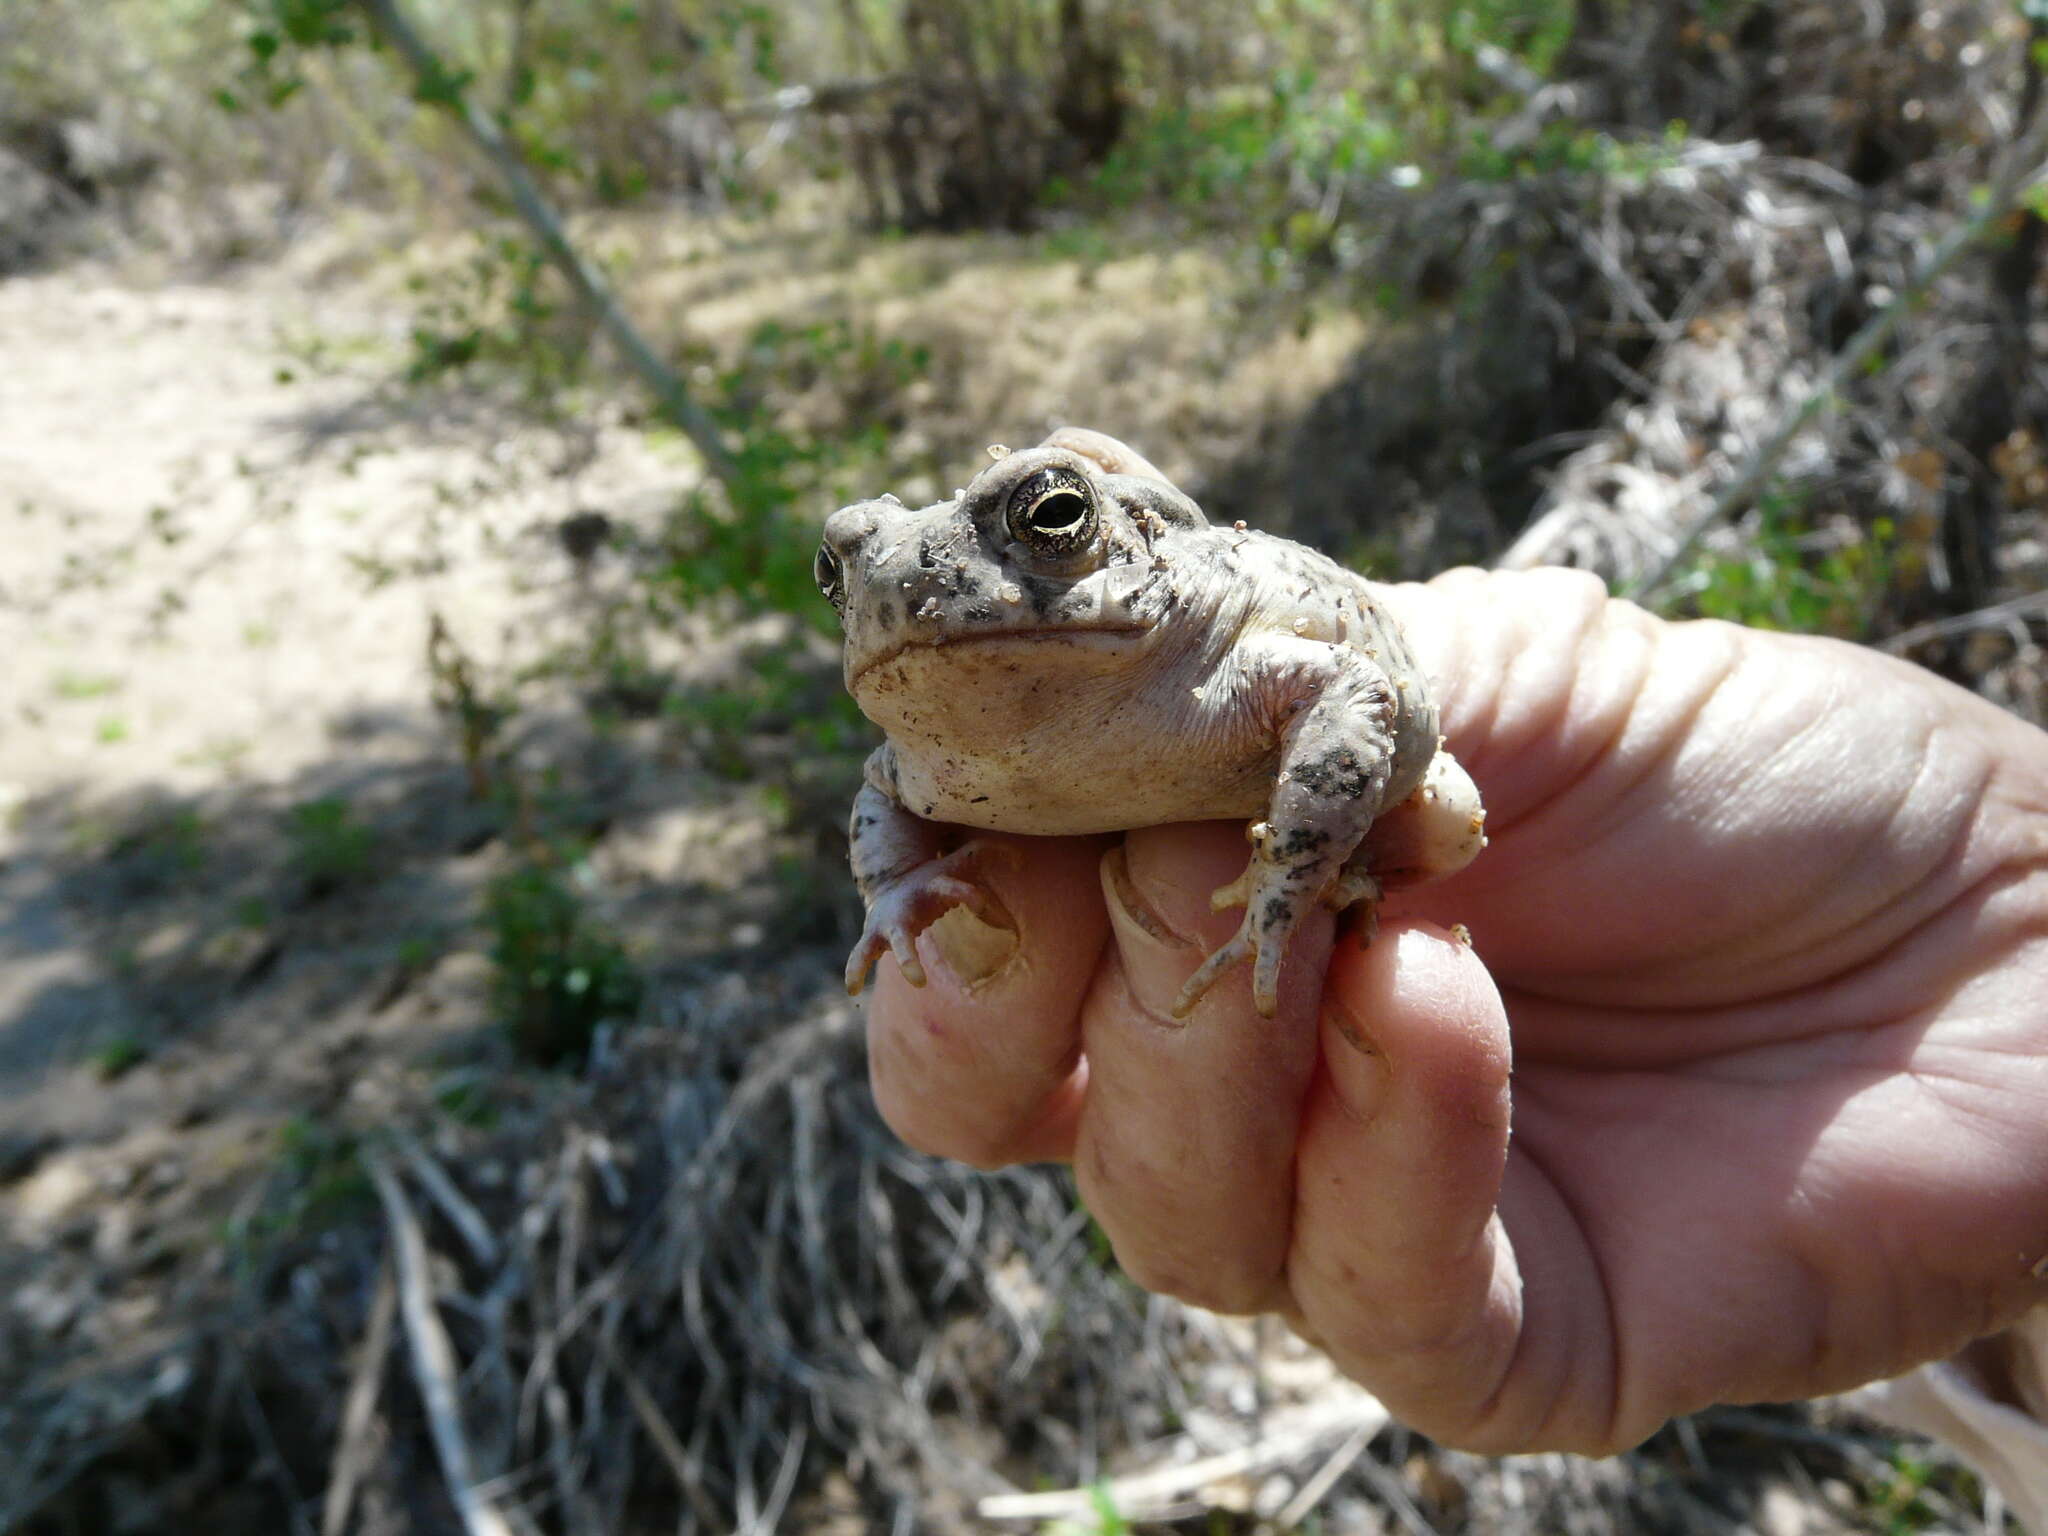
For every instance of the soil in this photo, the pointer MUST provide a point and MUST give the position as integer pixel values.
(240, 847)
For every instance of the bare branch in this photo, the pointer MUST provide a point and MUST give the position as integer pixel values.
(1317, 1488)
(351, 1451)
(433, 1357)
(1287, 1436)
(461, 1215)
(1962, 623)
(678, 1460)
(437, 84)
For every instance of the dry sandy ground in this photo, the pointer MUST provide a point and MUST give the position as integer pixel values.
(217, 559)
(192, 512)
(221, 538)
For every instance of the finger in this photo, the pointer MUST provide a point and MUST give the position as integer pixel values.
(981, 1063)
(1533, 673)
(1399, 1264)
(1186, 1143)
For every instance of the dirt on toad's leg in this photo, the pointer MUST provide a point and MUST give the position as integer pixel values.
(906, 877)
(1336, 755)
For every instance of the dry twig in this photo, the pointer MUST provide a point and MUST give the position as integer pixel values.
(1317, 1488)
(1962, 623)
(1285, 1437)
(352, 1444)
(433, 1357)
(467, 1221)
(681, 1465)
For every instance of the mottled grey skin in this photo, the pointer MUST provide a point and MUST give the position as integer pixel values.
(1069, 646)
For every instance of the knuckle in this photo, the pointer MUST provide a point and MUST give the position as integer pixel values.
(1566, 585)
(919, 1125)
(1233, 1292)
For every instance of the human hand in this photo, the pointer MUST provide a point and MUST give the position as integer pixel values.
(1766, 921)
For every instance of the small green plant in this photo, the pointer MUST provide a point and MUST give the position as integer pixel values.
(1795, 577)
(1105, 1518)
(559, 972)
(112, 728)
(118, 1057)
(180, 840)
(330, 848)
(727, 723)
(506, 309)
(1187, 155)
(82, 685)
(155, 852)
(315, 1183)
(319, 1157)
(465, 1097)
(755, 544)
(1917, 1492)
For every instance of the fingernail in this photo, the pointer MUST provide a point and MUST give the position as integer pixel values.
(1157, 958)
(1357, 1067)
(968, 948)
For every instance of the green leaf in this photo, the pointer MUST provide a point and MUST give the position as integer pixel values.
(440, 86)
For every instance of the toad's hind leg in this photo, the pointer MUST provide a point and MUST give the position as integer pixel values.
(1275, 891)
(1336, 713)
(1436, 831)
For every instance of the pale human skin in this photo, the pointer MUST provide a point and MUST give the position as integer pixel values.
(1764, 927)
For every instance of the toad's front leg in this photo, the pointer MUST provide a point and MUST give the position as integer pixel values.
(910, 874)
(1335, 713)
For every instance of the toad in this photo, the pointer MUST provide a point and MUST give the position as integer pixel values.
(1069, 646)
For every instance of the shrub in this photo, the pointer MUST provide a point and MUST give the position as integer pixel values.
(559, 971)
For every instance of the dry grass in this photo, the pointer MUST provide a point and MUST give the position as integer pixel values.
(705, 1290)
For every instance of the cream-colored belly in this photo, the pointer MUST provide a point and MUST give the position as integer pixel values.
(1001, 740)
(1057, 787)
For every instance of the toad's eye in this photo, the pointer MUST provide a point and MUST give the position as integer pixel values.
(831, 576)
(1053, 514)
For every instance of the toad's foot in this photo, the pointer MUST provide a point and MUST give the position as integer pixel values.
(1274, 895)
(1436, 831)
(902, 907)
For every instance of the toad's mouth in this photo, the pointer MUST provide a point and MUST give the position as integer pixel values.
(1105, 638)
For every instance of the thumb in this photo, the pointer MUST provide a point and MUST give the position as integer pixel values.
(1400, 1267)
